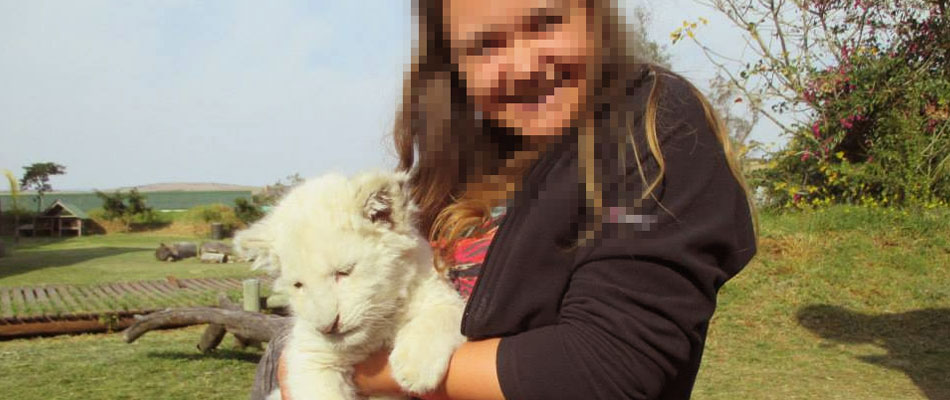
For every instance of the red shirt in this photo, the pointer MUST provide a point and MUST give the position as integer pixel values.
(470, 253)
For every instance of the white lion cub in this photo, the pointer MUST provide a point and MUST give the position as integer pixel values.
(360, 278)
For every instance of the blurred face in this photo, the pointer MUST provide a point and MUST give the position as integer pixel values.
(523, 62)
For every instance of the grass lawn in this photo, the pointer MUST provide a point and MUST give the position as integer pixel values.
(846, 303)
(101, 258)
(160, 365)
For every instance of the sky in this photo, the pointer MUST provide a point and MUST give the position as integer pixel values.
(228, 91)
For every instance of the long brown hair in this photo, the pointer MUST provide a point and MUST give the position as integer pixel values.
(444, 147)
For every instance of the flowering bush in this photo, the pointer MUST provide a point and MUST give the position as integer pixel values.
(879, 130)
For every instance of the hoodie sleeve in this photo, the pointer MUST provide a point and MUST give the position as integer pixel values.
(633, 319)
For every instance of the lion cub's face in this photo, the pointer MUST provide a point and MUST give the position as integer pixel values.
(344, 250)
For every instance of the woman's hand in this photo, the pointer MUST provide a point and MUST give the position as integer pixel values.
(372, 376)
(472, 375)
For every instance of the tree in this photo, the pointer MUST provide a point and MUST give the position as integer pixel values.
(36, 177)
(113, 205)
(15, 203)
(247, 211)
(791, 40)
(136, 203)
(271, 194)
(642, 45)
(127, 208)
(860, 87)
(723, 96)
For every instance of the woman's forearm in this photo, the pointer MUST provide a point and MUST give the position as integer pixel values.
(472, 374)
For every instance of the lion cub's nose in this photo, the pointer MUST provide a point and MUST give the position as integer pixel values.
(334, 328)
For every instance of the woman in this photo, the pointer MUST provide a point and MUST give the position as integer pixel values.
(623, 209)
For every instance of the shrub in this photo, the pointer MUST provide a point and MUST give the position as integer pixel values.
(128, 209)
(247, 211)
(203, 216)
(880, 131)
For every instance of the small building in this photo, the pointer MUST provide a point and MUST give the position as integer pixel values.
(59, 218)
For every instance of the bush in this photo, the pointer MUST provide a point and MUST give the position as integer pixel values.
(203, 216)
(128, 208)
(881, 124)
(247, 211)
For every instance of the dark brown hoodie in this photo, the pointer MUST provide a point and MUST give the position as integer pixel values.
(626, 316)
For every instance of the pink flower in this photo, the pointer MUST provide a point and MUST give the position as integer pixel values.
(846, 123)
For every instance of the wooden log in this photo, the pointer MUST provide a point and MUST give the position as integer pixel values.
(213, 258)
(217, 283)
(214, 333)
(176, 251)
(68, 300)
(19, 302)
(211, 338)
(6, 304)
(93, 302)
(169, 295)
(163, 253)
(197, 284)
(55, 302)
(184, 250)
(41, 301)
(216, 247)
(73, 324)
(251, 325)
(30, 302)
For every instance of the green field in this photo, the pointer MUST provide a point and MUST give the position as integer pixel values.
(847, 303)
(102, 258)
(161, 365)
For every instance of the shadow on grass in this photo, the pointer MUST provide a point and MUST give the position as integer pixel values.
(219, 354)
(917, 342)
(30, 243)
(23, 262)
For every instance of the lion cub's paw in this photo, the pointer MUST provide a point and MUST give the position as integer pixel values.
(419, 360)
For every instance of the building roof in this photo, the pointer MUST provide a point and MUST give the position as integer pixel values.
(71, 209)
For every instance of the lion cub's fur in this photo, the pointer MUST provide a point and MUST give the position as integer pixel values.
(360, 278)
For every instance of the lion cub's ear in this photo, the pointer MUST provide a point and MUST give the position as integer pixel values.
(386, 197)
(379, 207)
(257, 243)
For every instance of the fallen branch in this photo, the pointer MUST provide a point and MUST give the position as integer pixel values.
(250, 325)
(211, 338)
